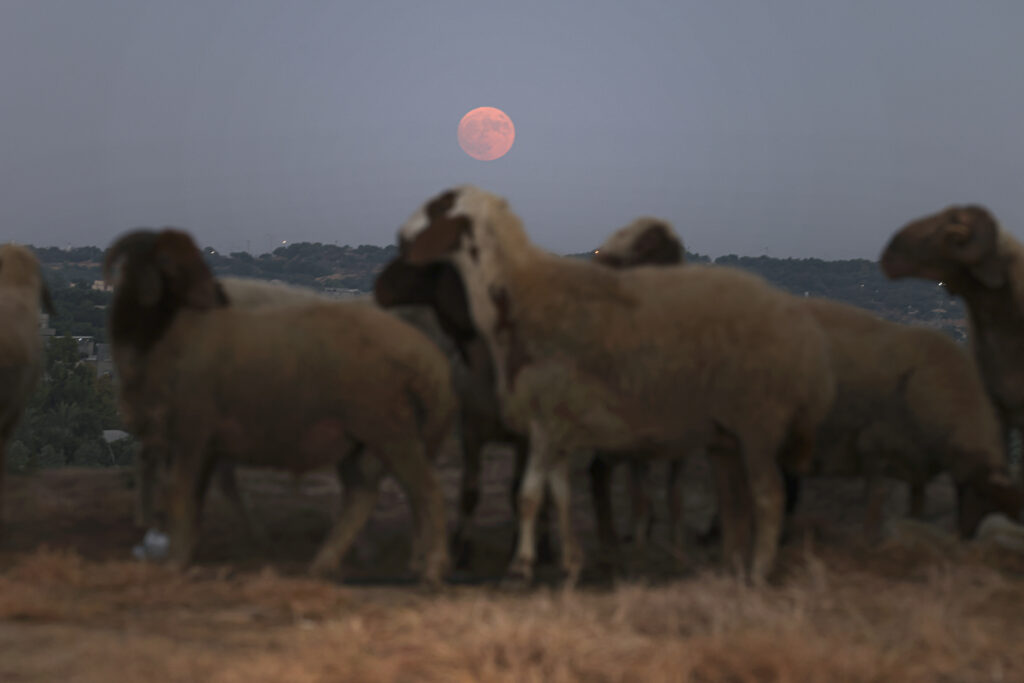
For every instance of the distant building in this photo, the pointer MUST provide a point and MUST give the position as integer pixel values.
(104, 361)
(86, 347)
(112, 435)
(44, 326)
(342, 293)
(102, 286)
(97, 355)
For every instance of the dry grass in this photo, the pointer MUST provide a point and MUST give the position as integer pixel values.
(62, 617)
(918, 609)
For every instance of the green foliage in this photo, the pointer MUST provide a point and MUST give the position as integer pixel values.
(81, 310)
(65, 418)
(20, 458)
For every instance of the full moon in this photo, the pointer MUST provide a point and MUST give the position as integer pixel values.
(486, 133)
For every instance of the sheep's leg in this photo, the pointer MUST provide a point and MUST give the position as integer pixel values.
(148, 458)
(601, 496)
(768, 495)
(917, 499)
(469, 492)
(3, 466)
(675, 499)
(522, 453)
(531, 494)
(229, 486)
(145, 480)
(409, 463)
(874, 490)
(572, 552)
(734, 510)
(360, 476)
(639, 494)
(190, 474)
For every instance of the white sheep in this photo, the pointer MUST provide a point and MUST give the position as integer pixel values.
(22, 288)
(593, 358)
(964, 248)
(909, 401)
(292, 387)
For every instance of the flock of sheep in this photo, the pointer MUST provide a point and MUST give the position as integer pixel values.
(628, 357)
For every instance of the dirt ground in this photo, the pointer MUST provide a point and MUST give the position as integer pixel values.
(75, 606)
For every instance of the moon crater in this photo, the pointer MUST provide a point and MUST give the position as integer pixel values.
(486, 133)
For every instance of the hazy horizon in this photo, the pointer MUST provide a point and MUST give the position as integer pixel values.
(789, 130)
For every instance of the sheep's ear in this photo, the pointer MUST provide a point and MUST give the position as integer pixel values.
(182, 267)
(971, 235)
(45, 299)
(148, 286)
(451, 302)
(442, 236)
(136, 242)
(401, 283)
(657, 245)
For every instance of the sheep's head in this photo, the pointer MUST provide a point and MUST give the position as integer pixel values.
(161, 268)
(984, 492)
(645, 241)
(437, 285)
(19, 267)
(953, 245)
(155, 275)
(457, 224)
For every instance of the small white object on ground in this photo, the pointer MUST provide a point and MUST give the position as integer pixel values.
(153, 547)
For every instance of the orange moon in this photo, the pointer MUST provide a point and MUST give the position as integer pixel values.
(486, 133)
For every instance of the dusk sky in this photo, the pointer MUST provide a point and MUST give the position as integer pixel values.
(787, 128)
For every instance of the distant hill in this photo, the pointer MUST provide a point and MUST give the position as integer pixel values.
(72, 272)
(854, 281)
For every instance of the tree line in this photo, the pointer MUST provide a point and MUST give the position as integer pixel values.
(65, 419)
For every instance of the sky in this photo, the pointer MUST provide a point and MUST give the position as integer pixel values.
(788, 128)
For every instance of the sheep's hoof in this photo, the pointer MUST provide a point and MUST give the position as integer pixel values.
(435, 569)
(519, 574)
(324, 568)
(712, 535)
(462, 551)
(545, 549)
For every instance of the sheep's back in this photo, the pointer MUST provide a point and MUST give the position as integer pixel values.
(641, 347)
(914, 390)
(279, 371)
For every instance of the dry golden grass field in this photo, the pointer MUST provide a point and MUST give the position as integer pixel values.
(74, 605)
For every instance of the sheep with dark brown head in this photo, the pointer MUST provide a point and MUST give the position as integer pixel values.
(964, 248)
(909, 402)
(588, 357)
(296, 388)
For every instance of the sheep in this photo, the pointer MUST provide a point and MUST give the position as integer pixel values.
(399, 288)
(438, 286)
(239, 292)
(292, 387)
(964, 248)
(909, 402)
(645, 241)
(588, 357)
(22, 292)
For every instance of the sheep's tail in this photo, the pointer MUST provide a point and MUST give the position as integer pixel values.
(798, 450)
(434, 408)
